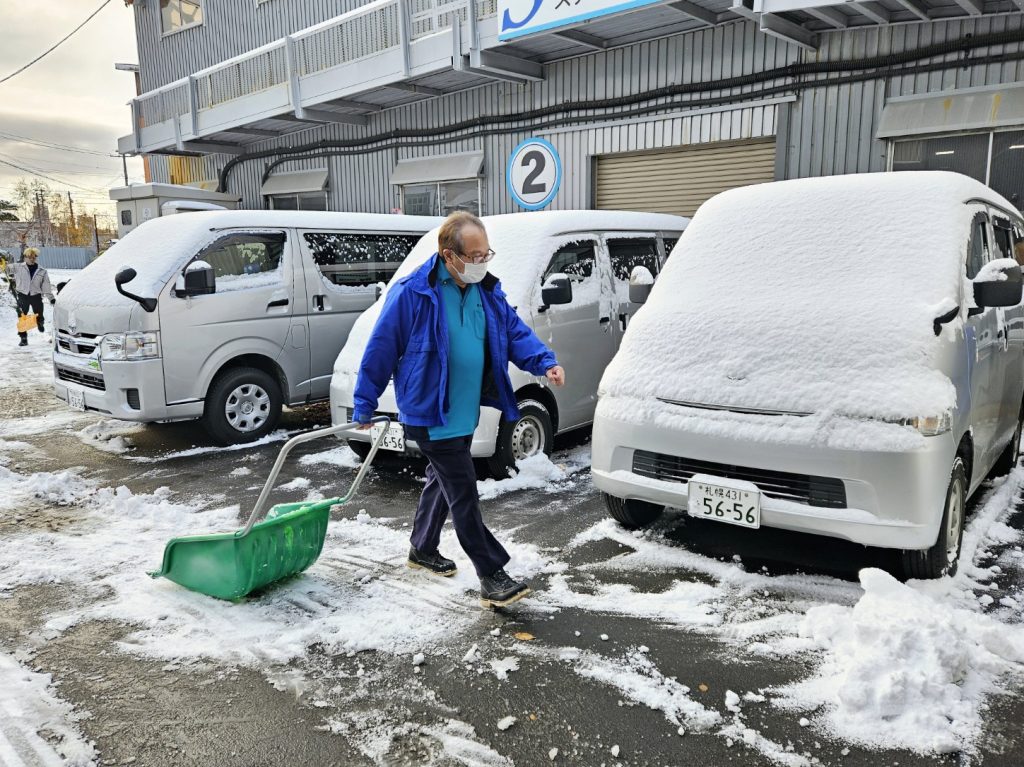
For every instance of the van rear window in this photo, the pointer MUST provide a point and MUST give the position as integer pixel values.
(357, 260)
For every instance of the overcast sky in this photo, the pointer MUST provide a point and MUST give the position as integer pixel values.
(73, 97)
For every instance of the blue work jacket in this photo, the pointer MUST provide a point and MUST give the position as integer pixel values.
(410, 344)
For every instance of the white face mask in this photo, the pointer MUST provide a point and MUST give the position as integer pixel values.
(473, 272)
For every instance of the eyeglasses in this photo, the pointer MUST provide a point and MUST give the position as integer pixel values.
(476, 259)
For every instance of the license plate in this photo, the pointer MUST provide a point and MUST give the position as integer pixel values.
(394, 439)
(722, 503)
(76, 399)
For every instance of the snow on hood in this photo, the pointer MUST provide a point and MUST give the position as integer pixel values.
(161, 246)
(814, 295)
(523, 244)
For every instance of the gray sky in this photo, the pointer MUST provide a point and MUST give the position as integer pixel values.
(73, 97)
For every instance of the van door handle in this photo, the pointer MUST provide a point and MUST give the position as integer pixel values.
(605, 320)
(278, 302)
(318, 302)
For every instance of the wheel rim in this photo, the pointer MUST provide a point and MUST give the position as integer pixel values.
(247, 407)
(954, 520)
(527, 437)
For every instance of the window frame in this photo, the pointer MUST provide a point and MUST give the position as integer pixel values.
(982, 217)
(306, 246)
(224, 234)
(437, 194)
(168, 32)
(595, 272)
(654, 237)
(272, 198)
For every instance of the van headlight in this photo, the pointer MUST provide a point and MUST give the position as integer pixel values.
(930, 425)
(129, 346)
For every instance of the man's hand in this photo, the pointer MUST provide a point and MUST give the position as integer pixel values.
(556, 375)
(364, 427)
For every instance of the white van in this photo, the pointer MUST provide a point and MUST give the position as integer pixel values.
(841, 356)
(224, 316)
(567, 273)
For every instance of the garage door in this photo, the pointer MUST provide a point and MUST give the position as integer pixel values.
(679, 180)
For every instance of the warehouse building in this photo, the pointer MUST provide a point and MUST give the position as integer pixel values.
(422, 106)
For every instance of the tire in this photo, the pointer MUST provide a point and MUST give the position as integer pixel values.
(530, 434)
(941, 559)
(1008, 458)
(631, 513)
(362, 449)
(243, 405)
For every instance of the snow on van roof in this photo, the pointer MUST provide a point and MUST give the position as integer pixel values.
(813, 295)
(523, 244)
(158, 248)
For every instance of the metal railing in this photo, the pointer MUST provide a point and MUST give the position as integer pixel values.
(359, 34)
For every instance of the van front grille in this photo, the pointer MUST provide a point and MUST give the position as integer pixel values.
(81, 343)
(132, 395)
(824, 492)
(92, 380)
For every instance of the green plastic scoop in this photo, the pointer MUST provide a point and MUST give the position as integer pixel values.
(286, 542)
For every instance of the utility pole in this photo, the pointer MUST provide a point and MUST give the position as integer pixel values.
(72, 224)
(124, 165)
(96, 233)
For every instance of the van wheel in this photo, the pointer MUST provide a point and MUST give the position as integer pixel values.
(528, 435)
(941, 559)
(243, 405)
(631, 513)
(1008, 458)
(362, 449)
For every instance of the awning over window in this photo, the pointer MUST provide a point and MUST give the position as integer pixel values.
(445, 167)
(300, 181)
(951, 111)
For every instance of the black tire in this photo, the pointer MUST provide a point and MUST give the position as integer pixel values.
(631, 513)
(362, 449)
(255, 399)
(1008, 458)
(530, 434)
(941, 559)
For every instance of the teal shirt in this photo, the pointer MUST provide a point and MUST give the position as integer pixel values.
(467, 326)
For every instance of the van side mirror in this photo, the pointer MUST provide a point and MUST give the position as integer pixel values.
(122, 278)
(557, 289)
(998, 285)
(640, 283)
(198, 279)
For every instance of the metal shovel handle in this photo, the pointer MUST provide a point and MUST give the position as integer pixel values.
(261, 502)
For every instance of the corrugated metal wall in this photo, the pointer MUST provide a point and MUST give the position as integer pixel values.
(824, 130)
(60, 257)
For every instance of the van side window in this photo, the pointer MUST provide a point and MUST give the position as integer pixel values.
(978, 251)
(669, 242)
(241, 258)
(358, 260)
(577, 260)
(1018, 245)
(627, 253)
(1004, 238)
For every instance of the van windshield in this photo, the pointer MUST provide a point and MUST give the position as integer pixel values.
(807, 296)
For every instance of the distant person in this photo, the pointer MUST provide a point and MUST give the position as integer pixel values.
(447, 334)
(31, 283)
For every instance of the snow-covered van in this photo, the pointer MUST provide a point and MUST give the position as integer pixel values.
(224, 316)
(567, 273)
(841, 356)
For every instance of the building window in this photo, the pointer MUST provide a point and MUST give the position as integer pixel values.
(299, 201)
(442, 198)
(176, 15)
(993, 158)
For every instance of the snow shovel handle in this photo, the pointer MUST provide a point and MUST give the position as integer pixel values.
(261, 502)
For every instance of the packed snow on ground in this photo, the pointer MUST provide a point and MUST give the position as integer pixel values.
(538, 472)
(343, 457)
(32, 716)
(280, 435)
(758, 308)
(110, 435)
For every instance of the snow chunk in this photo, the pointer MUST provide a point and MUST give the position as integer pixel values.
(343, 457)
(507, 722)
(299, 483)
(533, 473)
(502, 668)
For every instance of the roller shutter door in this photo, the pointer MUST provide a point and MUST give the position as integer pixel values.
(679, 180)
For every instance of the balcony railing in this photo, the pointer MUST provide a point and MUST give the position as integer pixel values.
(405, 38)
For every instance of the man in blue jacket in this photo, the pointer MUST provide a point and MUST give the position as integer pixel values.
(446, 334)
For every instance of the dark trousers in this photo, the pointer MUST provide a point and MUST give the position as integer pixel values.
(35, 303)
(451, 487)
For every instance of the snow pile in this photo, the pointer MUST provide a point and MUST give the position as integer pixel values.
(902, 667)
(534, 473)
(33, 718)
(110, 435)
(61, 489)
(804, 296)
(343, 457)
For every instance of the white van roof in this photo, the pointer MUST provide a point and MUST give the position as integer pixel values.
(156, 249)
(812, 295)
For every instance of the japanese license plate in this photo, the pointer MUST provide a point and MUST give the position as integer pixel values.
(394, 439)
(76, 399)
(722, 503)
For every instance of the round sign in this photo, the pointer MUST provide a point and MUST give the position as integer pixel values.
(534, 173)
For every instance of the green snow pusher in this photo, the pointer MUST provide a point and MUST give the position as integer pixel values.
(287, 541)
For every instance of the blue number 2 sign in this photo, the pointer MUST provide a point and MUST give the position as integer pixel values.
(534, 173)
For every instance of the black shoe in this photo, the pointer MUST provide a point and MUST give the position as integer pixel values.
(498, 590)
(433, 562)
(23, 342)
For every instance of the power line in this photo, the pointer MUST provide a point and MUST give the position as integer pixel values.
(56, 45)
(50, 144)
(50, 178)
